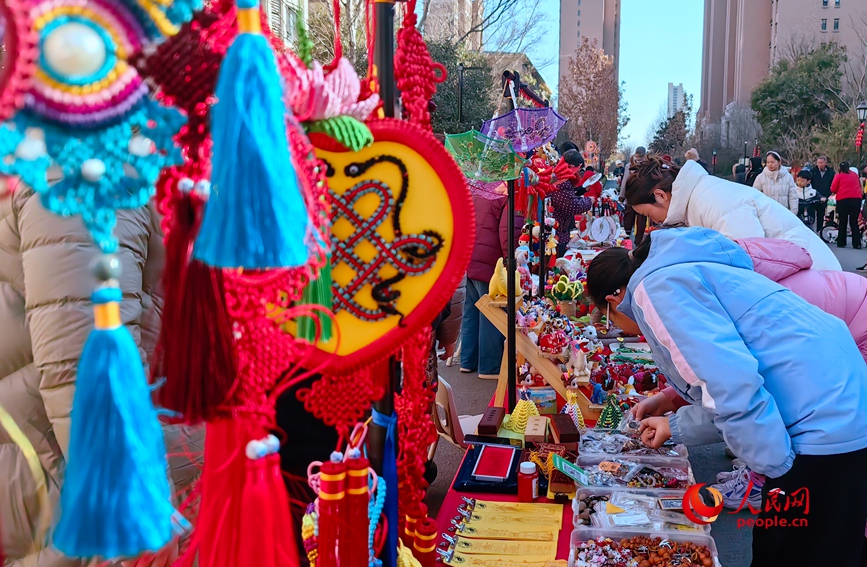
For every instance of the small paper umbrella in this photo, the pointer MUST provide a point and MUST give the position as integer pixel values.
(482, 158)
(526, 128)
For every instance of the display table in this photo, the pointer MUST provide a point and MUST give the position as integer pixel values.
(494, 310)
(453, 500)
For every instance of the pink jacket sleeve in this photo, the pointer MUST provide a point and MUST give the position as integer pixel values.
(774, 258)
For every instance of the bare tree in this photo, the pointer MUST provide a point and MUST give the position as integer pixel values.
(591, 97)
(739, 125)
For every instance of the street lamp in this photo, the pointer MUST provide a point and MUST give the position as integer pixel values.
(714, 162)
(745, 152)
(861, 109)
(461, 70)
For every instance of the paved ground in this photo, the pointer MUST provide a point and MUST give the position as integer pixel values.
(473, 395)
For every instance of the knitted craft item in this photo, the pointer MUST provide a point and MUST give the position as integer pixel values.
(524, 410)
(416, 431)
(573, 410)
(416, 73)
(86, 111)
(611, 414)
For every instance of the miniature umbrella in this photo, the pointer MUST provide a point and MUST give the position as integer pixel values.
(482, 158)
(526, 128)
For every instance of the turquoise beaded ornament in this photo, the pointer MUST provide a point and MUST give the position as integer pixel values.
(85, 133)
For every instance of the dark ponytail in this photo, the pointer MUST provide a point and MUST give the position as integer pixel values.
(611, 270)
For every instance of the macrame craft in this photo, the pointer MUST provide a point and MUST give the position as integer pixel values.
(244, 506)
(84, 134)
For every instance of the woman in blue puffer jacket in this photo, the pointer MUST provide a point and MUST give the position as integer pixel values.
(749, 352)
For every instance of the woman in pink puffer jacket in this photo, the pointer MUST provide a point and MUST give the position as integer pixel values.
(842, 294)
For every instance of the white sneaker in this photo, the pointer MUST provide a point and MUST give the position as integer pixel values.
(725, 476)
(734, 490)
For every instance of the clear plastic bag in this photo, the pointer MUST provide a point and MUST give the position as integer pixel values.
(601, 442)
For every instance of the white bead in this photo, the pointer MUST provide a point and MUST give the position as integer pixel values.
(74, 50)
(203, 188)
(255, 450)
(186, 185)
(92, 170)
(30, 149)
(272, 444)
(140, 146)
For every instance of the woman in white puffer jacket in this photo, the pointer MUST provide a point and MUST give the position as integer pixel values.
(777, 183)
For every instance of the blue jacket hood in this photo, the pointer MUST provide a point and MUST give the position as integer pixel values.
(685, 245)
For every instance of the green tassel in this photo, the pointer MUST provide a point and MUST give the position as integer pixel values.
(346, 130)
(317, 292)
(305, 44)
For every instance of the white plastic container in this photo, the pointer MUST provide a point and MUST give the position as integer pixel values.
(583, 534)
(681, 450)
(612, 492)
(682, 464)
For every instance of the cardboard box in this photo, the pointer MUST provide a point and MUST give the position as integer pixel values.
(537, 430)
(491, 421)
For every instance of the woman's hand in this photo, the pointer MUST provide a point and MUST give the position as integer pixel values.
(656, 405)
(655, 431)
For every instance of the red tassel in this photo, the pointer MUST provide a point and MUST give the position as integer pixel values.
(353, 549)
(195, 352)
(414, 512)
(424, 548)
(332, 492)
(244, 515)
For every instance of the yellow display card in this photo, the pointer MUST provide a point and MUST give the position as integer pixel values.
(518, 507)
(510, 548)
(519, 533)
(499, 561)
(522, 520)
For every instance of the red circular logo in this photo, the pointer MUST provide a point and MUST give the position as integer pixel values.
(696, 510)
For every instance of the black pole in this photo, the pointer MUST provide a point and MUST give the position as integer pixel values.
(542, 275)
(460, 94)
(383, 57)
(745, 153)
(511, 268)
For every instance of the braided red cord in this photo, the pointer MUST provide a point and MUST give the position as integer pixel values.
(19, 63)
(338, 42)
(415, 429)
(415, 71)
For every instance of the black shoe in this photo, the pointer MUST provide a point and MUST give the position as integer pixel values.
(841, 246)
(862, 268)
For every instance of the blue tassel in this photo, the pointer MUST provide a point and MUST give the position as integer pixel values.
(389, 473)
(115, 500)
(256, 217)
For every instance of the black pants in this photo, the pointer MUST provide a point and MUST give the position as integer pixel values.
(847, 213)
(832, 531)
(821, 207)
(628, 218)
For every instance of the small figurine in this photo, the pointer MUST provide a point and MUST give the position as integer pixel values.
(598, 395)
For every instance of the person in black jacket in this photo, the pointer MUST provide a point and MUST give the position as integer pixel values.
(823, 176)
(756, 167)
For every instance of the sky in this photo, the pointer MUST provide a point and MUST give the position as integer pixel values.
(660, 42)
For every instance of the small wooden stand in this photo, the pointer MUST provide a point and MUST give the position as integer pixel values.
(494, 310)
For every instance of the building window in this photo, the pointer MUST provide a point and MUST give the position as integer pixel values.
(824, 3)
(836, 3)
(824, 24)
(579, 13)
(836, 24)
